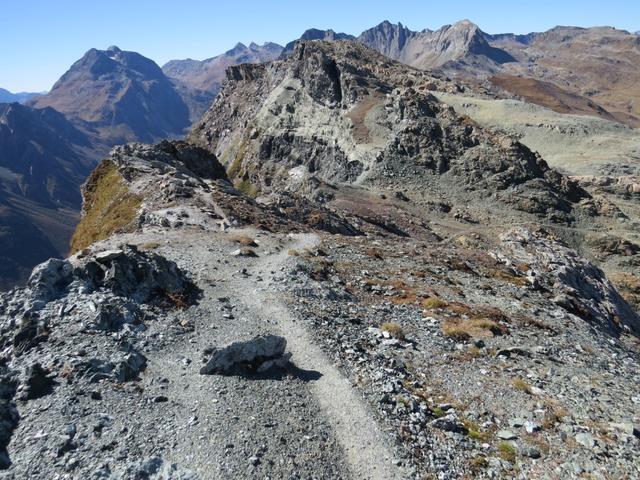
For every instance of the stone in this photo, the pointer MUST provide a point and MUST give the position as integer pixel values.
(585, 439)
(510, 351)
(252, 352)
(107, 255)
(244, 252)
(36, 383)
(531, 427)
(531, 452)
(449, 423)
(129, 367)
(506, 435)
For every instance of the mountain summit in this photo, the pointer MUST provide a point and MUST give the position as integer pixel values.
(123, 95)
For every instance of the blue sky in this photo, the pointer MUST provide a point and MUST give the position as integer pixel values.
(40, 39)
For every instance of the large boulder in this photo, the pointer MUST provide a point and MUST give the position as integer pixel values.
(257, 354)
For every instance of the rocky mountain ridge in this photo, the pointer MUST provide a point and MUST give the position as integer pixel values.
(204, 77)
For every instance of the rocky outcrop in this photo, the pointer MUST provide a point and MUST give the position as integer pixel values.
(341, 113)
(579, 286)
(110, 291)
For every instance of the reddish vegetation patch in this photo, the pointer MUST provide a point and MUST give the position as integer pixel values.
(357, 116)
(550, 95)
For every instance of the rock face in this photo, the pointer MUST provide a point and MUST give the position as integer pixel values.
(123, 95)
(341, 113)
(580, 287)
(45, 159)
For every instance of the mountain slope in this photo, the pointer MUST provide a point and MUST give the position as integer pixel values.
(43, 160)
(207, 75)
(601, 64)
(123, 96)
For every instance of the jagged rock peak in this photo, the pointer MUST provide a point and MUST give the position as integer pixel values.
(340, 112)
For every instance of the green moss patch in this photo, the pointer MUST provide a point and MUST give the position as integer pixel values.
(108, 207)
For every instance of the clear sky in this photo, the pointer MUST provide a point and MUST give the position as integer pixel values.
(40, 39)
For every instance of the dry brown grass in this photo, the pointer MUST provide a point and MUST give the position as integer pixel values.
(394, 329)
(374, 252)
(629, 287)
(509, 277)
(537, 441)
(244, 240)
(465, 329)
(554, 414)
(507, 451)
(433, 303)
(109, 207)
(453, 330)
(521, 385)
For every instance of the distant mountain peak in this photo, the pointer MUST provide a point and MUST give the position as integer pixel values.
(238, 48)
(123, 93)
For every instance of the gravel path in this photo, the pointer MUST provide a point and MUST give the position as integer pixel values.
(312, 424)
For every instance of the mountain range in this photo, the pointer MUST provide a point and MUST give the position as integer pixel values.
(121, 96)
(109, 97)
(7, 97)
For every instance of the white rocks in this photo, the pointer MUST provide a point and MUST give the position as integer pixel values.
(506, 435)
(585, 439)
(107, 255)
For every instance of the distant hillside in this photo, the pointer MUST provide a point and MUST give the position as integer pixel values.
(43, 161)
(200, 80)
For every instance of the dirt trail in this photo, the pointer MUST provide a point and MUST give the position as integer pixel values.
(364, 444)
(355, 446)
